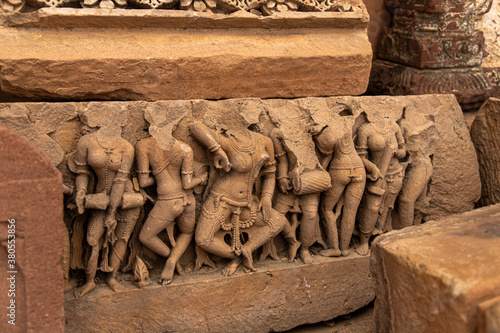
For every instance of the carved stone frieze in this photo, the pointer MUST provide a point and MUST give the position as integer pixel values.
(165, 192)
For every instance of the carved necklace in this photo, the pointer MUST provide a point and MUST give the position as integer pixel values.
(345, 145)
(108, 151)
(243, 146)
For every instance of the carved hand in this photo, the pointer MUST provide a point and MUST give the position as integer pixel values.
(204, 177)
(400, 153)
(375, 174)
(80, 200)
(285, 185)
(266, 205)
(221, 161)
(110, 223)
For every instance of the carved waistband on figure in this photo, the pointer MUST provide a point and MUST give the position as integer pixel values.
(234, 223)
(180, 195)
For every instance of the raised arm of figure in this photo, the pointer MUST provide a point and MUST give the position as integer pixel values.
(206, 138)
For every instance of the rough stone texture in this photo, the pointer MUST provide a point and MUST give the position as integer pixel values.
(277, 297)
(31, 193)
(380, 18)
(485, 134)
(472, 86)
(205, 56)
(431, 278)
(360, 321)
(455, 185)
(489, 24)
(489, 316)
(436, 47)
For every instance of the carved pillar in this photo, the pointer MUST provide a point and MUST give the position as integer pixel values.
(434, 46)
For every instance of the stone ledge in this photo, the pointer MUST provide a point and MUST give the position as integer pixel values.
(431, 278)
(277, 297)
(154, 64)
(164, 19)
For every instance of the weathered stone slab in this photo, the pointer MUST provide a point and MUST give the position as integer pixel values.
(455, 185)
(31, 204)
(485, 134)
(276, 298)
(143, 55)
(431, 278)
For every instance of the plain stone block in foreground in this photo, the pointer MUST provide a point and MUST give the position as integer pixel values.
(277, 297)
(432, 278)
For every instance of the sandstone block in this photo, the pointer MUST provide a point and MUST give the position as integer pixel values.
(31, 195)
(431, 278)
(81, 54)
(276, 298)
(485, 134)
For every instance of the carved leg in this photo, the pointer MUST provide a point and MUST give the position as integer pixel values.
(352, 197)
(330, 200)
(123, 231)
(186, 223)
(95, 231)
(368, 216)
(309, 206)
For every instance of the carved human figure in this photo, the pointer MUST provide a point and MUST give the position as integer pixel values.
(284, 200)
(113, 203)
(241, 157)
(168, 163)
(299, 192)
(381, 145)
(348, 176)
(412, 200)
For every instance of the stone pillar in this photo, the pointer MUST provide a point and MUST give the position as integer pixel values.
(434, 47)
(30, 209)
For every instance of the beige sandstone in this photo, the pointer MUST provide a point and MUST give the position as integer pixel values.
(431, 278)
(276, 298)
(70, 54)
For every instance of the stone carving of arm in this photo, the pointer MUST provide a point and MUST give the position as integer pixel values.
(268, 180)
(373, 171)
(118, 187)
(401, 152)
(281, 161)
(188, 180)
(206, 138)
(142, 163)
(83, 172)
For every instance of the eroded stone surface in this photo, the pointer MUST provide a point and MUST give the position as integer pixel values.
(455, 184)
(431, 278)
(485, 134)
(277, 297)
(215, 58)
(31, 194)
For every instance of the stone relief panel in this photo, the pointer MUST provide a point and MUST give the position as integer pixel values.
(155, 189)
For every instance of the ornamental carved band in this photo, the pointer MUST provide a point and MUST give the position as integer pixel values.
(257, 7)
